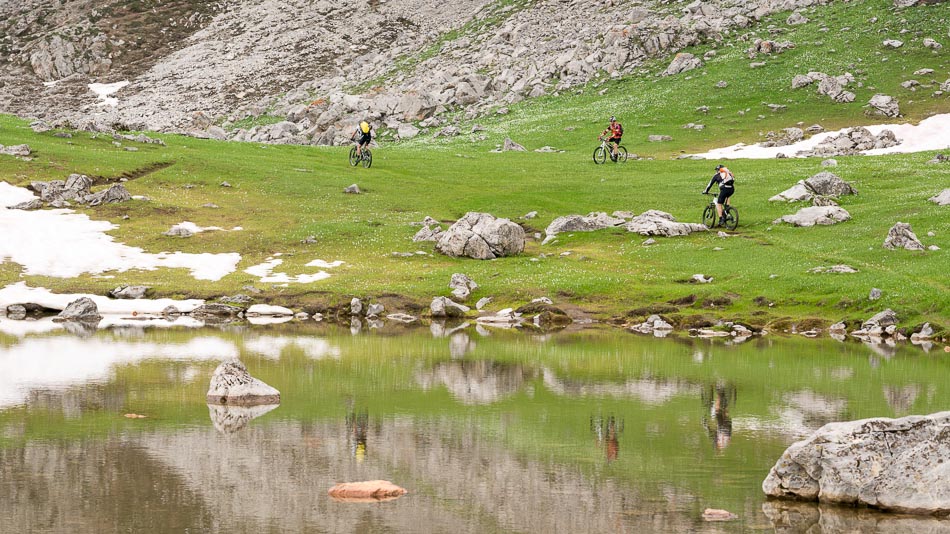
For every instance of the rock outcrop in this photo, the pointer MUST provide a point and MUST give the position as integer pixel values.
(655, 222)
(885, 105)
(852, 142)
(446, 307)
(823, 184)
(579, 223)
(482, 236)
(232, 384)
(902, 236)
(462, 286)
(816, 215)
(890, 464)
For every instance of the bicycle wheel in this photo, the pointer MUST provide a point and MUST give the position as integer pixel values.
(600, 155)
(621, 154)
(732, 218)
(367, 158)
(709, 216)
(354, 158)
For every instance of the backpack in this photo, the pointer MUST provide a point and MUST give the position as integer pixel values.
(364, 127)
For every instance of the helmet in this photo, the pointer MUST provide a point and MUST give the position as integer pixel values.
(718, 167)
(613, 119)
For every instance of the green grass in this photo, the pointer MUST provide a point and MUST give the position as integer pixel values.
(283, 194)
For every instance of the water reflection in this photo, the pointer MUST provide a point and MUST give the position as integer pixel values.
(357, 426)
(228, 418)
(475, 382)
(810, 518)
(607, 432)
(718, 399)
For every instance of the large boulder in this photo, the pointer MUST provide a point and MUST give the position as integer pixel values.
(232, 384)
(462, 286)
(885, 105)
(816, 215)
(902, 236)
(482, 236)
(890, 464)
(83, 310)
(797, 193)
(881, 320)
(829, 184)
(654, 222)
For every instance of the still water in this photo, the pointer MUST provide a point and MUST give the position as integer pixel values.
(490, 431)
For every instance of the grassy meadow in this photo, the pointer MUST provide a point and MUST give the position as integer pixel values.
(283, 194)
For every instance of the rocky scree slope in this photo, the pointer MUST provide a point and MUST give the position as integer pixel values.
(304, 72)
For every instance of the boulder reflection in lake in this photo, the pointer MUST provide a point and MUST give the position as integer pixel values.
(228, 418)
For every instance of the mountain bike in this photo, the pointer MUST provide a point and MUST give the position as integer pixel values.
(604, 150)
(366, 158)
(710, 218)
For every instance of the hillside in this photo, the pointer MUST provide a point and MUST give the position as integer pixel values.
(282, 195)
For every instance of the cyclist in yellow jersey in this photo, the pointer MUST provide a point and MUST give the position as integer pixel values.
(362, 136)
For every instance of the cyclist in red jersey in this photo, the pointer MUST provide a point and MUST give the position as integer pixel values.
(615, 131)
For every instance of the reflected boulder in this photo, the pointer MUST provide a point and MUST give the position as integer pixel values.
(368, 491)
(232, 384)
(228, 419)
(475, 382)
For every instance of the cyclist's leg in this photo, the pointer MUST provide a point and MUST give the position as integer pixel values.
(719, 203)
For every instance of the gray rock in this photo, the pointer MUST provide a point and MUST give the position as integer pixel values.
(115, 193)
(875, 294)
(882, 320)
(81, 310)
(816, 215)
(942, 199)
(797, 193)
(578, 223)
(482, 302)
(683, 62)
(462, 286)
(658, 223)
(482, 236)
(16, 150)
(232, 384)
(796, 19)
(829, 184)
(892, 43)
(129, 292)
(16, 312)
(356, 306)
(216, 312)
(510, 146)
(890, 464)
(885, 105)
(34, 204)
(170, 312)
(428, 233)
(375, 310)
(178, 231)
(353, 190)
(829, 163)
(659, 138)
(407, 131)
(446, 307)
(902, 236)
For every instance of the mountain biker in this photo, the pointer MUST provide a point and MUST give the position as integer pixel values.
(616, 132)
(726, 182)
(362, 136)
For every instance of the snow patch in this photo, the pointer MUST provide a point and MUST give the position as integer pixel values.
(64, 244)
(931, 134)
(265, 271)
(103, 90)
(195, 229)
